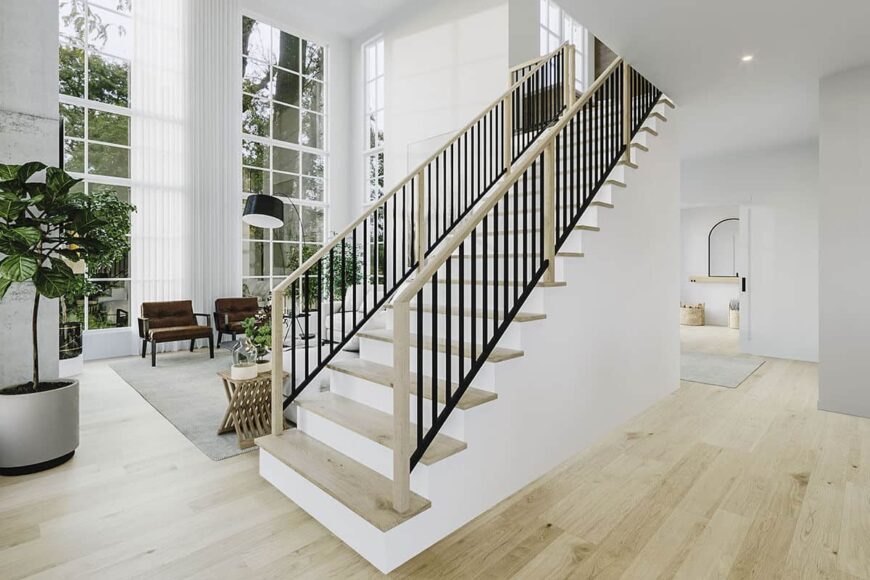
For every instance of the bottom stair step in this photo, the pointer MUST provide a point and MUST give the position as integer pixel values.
(375, 425)
(362, 490)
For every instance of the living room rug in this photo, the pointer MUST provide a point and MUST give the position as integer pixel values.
(184, 388)
(718, 370)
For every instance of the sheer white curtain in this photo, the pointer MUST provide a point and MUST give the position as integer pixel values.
(186, 153)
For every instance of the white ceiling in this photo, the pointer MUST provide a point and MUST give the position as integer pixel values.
(347, 17)
(692, 49)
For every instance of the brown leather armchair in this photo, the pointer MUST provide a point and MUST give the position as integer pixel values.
(229, 314)
(172, 321)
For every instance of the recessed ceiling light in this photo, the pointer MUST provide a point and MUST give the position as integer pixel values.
(747, 58)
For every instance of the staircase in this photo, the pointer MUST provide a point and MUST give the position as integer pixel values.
(455, 284)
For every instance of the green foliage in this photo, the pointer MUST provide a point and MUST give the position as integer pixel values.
(43, 226)
(259, 329)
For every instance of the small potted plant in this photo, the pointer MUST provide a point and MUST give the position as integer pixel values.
(259, 329)
(734, 313)
(43, 227)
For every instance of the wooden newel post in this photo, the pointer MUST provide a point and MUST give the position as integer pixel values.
(508, 129)
(550, 210)
(420, 221)
(401, 406)
(568, 75)
(626, 111)
(278, 362)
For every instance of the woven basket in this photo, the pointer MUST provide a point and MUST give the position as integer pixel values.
(692, 314)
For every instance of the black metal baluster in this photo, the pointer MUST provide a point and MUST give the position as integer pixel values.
(420, 368)
(319, 311)
(331, 299)
(293, 376)
(436, 193)
(495, 266)
(434, 338)
(473, 280)
(462, 311)
(306, 305)
(526, 234)
(516, 244)
(505, 245)
(365, 267)
(486, 280)
(448, 316)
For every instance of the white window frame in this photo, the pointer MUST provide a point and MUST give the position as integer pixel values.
(373, 83)
(556, 27)
(88, 179)
(269, 238)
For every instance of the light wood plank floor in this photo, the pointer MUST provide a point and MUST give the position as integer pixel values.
(752, 482)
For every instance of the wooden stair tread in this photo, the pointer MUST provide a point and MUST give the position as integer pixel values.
(362, 490)
(511, 255)
(375, 425)
(659, 116)
(667, 102)
(498, 354)
(542, 284)
(595, 203)
(490, 233)
(383, 375)
(640, 146)
(479, 313)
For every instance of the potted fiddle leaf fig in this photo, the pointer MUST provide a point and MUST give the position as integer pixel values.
(45, 225)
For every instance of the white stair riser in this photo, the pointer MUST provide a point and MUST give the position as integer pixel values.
(500, 247)
(478, 291)
(359, 448)
(512, 337)
(382, 352)
(380, 397)
(640, 137)
(605, 194)
(491, 262)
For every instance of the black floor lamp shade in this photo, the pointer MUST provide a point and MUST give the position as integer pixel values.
(263, 211)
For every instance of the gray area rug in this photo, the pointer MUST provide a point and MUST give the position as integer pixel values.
(714, 369)
(184, 388)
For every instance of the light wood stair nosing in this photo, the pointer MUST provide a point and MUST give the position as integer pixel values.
(360, 489)
(521, 316)
(498, 354)
(383, 375)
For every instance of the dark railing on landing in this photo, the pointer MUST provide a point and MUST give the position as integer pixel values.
(644, 96)
(345, 283)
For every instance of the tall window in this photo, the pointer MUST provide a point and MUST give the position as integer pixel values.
(557, 26)
(94, 72)
(284, 149)
(373, 123)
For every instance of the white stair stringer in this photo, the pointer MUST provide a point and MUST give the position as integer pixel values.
(567, 390)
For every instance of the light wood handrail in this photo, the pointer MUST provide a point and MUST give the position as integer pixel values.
(317, 256)
(436, 260)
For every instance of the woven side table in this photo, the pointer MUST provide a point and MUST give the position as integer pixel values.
(249, 407)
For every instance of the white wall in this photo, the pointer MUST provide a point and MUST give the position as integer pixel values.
(778, 189)
(695, 226)
(28, 132)
(444, 62)
(525, 30)
(844, 147)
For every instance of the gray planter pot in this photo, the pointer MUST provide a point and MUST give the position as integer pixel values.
(38, 430)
